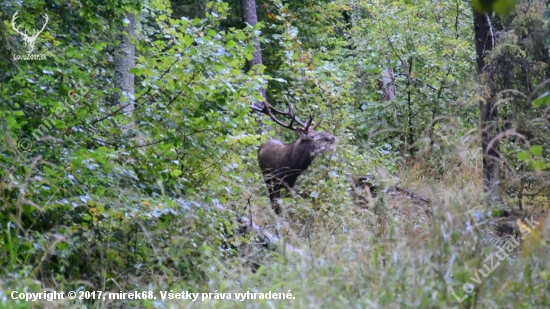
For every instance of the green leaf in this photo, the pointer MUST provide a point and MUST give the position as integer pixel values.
(11, 122)
(258, 96)
(188, 40)
(250, 49)
(163, 17)
(136, 71)
(240, 36)
(176, 173)
(536, 150)
(543, 99)
(231, 44)
(504, 7)
(524, 156)
(501, 7)
(539, 165)
(184, 23)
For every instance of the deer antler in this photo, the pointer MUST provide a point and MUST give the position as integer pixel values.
(14, 27)
(43, 26)
(268, 109)
(318, 123)
(310, 120)
(35, 34)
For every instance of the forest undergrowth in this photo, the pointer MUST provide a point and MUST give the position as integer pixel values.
(129, 154)
(425, 245)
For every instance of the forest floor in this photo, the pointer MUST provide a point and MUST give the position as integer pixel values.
(431, 245)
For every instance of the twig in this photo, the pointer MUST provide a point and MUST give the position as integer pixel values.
(331, 233)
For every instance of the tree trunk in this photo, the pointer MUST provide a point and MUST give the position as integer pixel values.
(488, 111)
(388, 85)
(250, 17)
(124, 61)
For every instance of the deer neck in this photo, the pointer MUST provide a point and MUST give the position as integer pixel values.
(300, 152)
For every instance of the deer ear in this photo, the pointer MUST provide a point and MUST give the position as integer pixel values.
(301, 133)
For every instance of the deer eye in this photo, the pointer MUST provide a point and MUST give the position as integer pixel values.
(316, 137)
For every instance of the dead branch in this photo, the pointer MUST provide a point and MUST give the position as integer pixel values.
(265, 236)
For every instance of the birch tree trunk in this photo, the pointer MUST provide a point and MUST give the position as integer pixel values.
(124, 61)
(388, 85)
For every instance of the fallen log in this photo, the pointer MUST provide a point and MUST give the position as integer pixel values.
(271, 240)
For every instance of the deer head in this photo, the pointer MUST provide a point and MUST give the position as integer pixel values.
(29, 40)
(282, 164)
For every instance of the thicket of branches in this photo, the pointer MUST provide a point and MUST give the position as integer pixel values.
(128, 154)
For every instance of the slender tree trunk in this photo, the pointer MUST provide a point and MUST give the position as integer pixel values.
(488, 111)
(124, 61)
(388, 85)
(251, 18)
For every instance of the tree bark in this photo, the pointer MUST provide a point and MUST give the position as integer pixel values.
(388, 85)
(250, 17)
(124, 61)
(488, 111)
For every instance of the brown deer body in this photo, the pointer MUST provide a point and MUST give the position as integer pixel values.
(282, 164)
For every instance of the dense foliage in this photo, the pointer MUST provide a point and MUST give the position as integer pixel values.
(96, 197)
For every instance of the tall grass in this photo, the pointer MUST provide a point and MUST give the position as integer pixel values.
(396, 253)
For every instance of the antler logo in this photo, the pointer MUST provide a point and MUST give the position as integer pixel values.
(29, 40)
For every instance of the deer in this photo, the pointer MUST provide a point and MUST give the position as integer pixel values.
(30, 40)
(282, 164)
